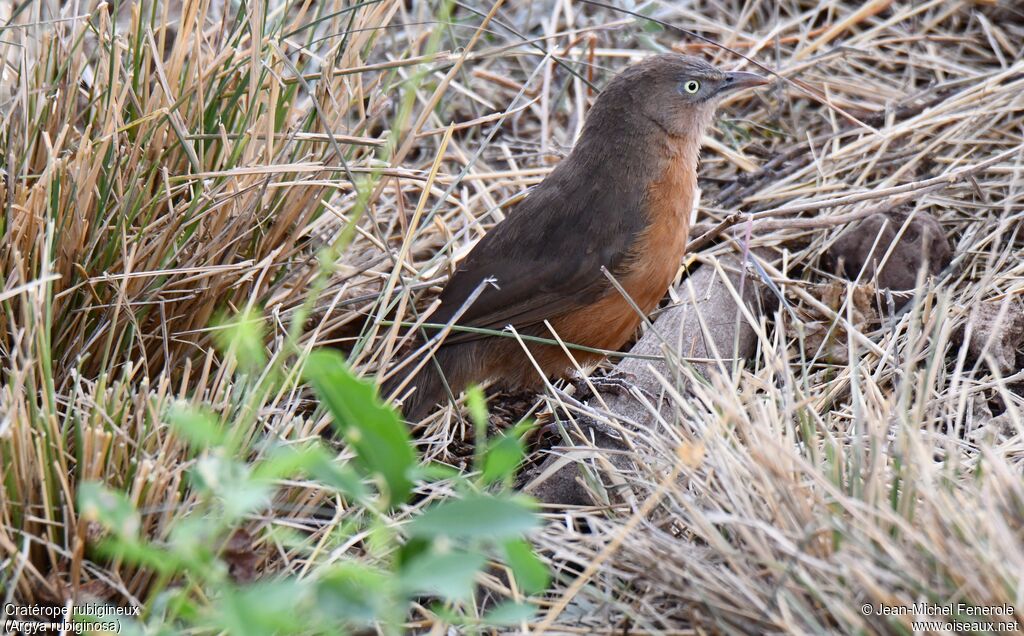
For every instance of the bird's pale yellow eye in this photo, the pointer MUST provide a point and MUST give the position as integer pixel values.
(691, 86)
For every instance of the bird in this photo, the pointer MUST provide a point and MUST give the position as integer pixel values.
(619, 203)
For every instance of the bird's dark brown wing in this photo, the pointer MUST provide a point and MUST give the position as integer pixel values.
(546, 257)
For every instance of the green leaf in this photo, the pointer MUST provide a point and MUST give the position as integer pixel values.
(339, 477)
(501, 458)
(199, 427)
(263, 609)
(450, 574)
(354, 593)
(652, 27)
(193, 540)
(243, 335)
(287, 461)
(436, 471)
(531, 574)
(510, 613)
(649, 25)
(374, 431)
(239, 490)
(314, 461)
(109, 508)
(144, 555)
(476, 517)
(411, 550)
(476, 404)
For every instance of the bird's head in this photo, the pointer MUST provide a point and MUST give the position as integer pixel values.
(675, 93)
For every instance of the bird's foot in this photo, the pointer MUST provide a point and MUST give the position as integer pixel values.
(620, 383)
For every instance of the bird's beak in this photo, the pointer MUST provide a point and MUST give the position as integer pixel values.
(736, 80)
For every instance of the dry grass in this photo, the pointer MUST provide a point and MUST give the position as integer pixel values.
(155, 179)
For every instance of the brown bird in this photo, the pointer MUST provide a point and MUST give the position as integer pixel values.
(621, 201)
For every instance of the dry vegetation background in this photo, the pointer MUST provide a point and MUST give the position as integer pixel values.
(162, 165)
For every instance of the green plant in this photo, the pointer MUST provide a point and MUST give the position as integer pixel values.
(434, 551)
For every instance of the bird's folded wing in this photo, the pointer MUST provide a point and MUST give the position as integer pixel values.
(526, 294)
(546, 259)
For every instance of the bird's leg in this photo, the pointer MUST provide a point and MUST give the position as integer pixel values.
(575, 432)
(618, 383)
(580, 388)
(555, 429)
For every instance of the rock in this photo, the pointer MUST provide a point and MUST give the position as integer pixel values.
(996, 330)
(560, 482)
(922, 244)
(704, 326)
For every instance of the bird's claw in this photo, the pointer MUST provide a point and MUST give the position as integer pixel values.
(618, 384)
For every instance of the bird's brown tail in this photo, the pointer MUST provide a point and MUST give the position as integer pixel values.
(449, 369)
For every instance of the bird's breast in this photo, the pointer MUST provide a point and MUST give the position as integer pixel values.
(652, 264)
(659, 248)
